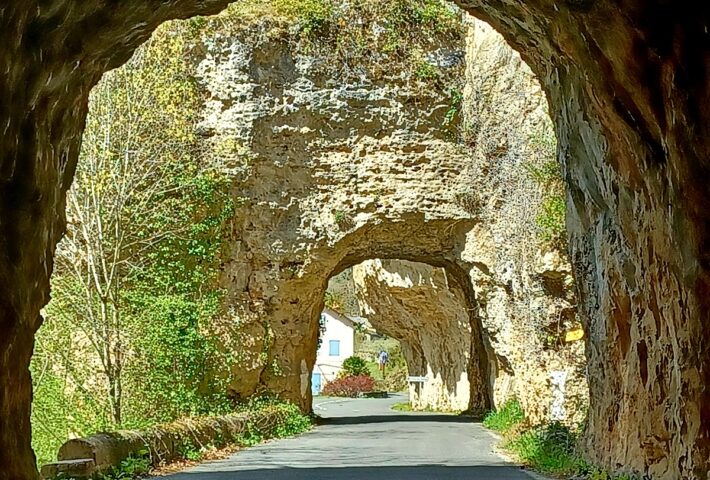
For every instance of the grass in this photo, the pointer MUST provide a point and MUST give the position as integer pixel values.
(385, 39)
(508, 416)
(407, 407)
(548, 448)
(402, 407)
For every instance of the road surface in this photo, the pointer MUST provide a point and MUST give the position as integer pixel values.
(365, 439)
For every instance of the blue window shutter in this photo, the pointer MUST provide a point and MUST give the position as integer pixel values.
(334, 348)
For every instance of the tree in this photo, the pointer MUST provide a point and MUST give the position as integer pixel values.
(134, 287)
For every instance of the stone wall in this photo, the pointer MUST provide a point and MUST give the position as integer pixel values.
(95, 456)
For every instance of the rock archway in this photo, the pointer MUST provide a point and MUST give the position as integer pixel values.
(627, 85)
(431, 315)
(294, 310)
(391, 184)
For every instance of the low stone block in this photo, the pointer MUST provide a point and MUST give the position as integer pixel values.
(79, 468)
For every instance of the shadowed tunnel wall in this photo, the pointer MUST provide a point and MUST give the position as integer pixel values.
(626, 85)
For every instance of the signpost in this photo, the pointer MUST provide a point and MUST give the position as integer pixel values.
(416, 379)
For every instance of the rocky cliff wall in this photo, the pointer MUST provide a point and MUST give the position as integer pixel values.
(416, 304)
(329, 172)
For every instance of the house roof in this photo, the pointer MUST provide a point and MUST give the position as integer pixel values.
(339, 316)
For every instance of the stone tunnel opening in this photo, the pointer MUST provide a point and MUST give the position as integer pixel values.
(399, 176)
(433, 319)
(636, 185)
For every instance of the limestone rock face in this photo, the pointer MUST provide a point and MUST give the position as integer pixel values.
(416, 304)
(634, 146)
(524, 289)
(327, 173)
(331, 172)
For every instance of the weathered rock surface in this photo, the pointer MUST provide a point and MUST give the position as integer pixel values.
(416, 304)
(329, 173)
(523, 287)
(626, 90)
(624, 93)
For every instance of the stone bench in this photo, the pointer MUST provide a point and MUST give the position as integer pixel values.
(79, 469)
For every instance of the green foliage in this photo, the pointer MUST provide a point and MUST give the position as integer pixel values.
(599, 474)
(343, 219)
(402, 407)
(191, 452)
(339, 216)
(129, 468)
(330, 300)
(355, 366)
(142, 346)
(548, 448)
(454, 109)
(311, 16)
(425, 71)
(272, 418)
(395, 379)
(545, 171)
(384, 38)
(551, 219)
(508, 416)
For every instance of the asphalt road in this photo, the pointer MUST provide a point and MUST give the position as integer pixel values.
(365, 439)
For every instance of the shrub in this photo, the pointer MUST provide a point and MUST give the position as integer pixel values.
(546, 172)
(130, 468)
(395, 379)
(355, 366)
(548, 448)
(551, 219)
(352, 386)
(504, 419)
(272, 418)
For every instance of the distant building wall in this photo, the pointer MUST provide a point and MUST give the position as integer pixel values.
(337, 344)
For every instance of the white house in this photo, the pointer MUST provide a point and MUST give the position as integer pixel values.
(337, 343)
